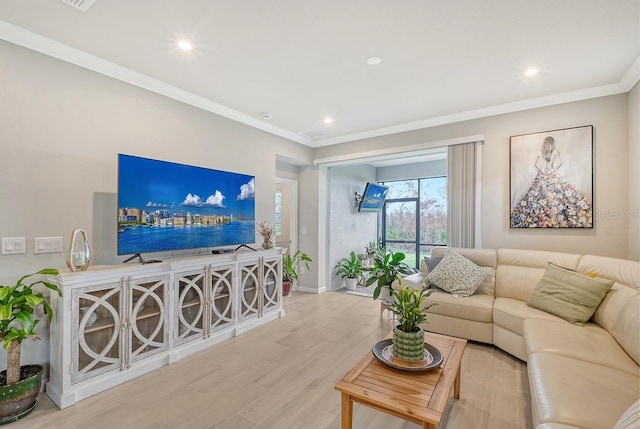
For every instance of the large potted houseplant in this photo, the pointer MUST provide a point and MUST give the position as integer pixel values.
(350, 269)
(408, 336)
(386, 268)
(20, 385)
(290, 265)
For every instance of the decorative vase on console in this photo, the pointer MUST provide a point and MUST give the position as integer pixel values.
(267, 232)
(79, 256)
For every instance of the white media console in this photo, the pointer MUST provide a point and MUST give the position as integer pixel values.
(115, 323)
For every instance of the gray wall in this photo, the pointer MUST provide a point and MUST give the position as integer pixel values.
(348, 229)
(609, 116)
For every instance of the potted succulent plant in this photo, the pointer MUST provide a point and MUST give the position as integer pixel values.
(408, 336)
(290, 266)
(386, 268)
(20, 385)
(350, 269)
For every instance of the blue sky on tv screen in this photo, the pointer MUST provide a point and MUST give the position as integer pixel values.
(151, 185)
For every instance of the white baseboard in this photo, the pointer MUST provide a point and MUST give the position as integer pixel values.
(311, 290)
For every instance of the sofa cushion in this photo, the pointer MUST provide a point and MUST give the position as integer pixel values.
(618, 312)
(590, 343)
(631, 418)
(511, 313)
(578, 393)
(430, 263)
(476, 307)
(555, 426)
(519, 271)
(568, 294)
(413, 281)
(457, 275)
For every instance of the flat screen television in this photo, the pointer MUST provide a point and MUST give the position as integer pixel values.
(373, 197)
(166, 206)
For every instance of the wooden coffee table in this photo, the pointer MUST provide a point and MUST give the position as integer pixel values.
(419, 397)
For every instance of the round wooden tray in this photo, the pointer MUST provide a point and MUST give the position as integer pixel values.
(383, 351)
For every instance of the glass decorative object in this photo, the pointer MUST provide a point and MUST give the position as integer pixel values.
(79, 251)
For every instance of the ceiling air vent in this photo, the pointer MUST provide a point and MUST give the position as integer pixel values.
(314, 133)
(82, 5)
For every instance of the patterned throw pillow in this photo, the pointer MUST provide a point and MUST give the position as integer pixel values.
(457, 275)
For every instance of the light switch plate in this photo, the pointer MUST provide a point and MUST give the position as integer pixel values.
(13, 245)
(47, 245)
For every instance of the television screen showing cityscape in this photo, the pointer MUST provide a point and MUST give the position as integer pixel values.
(167, 206)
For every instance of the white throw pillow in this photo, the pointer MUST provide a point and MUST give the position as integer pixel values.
(457, 275)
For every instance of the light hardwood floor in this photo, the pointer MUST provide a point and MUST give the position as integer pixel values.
(281, 375)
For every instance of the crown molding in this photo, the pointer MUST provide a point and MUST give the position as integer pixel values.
(626, 83)
(27, 39)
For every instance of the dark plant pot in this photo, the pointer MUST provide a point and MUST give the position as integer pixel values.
(19, 399)
(408, 345)
(286, 288)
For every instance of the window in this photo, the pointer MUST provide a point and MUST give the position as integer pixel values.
(414, 217)
(278, 224)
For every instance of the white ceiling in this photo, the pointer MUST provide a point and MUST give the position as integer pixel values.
(300, 61)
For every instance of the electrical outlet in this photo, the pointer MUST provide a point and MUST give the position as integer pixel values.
(13, 245)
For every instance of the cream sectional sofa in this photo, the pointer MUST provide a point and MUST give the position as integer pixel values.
(580, 376)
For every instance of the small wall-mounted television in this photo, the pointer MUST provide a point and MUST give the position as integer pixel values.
(165, 206)
(373, 197)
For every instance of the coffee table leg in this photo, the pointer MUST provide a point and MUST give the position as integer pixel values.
(347, 411)
(426, 425)
(456, 383)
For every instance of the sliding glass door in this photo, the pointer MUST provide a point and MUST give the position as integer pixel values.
(414, 217)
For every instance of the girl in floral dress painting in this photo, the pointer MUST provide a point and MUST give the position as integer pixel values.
(551, 202)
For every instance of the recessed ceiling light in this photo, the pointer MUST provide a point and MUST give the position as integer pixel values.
(327, 120)
(531, 72)
(185, 45)
(374, 61)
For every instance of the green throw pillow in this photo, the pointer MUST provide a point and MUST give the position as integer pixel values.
(568, 294)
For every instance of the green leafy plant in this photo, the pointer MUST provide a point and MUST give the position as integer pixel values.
(350, 268)
(17, 321)
(407, 306)
(386, 268)
(290, 265)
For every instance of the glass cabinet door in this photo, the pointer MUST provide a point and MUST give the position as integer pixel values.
(148, 320)
(221, 297)
(96, 345)
(249, 291)
(271, 284)
(190, 303)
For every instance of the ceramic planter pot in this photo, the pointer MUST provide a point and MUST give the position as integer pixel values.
(351, 283)
(18, 399)
(408, 345)
(286, 288)
(385, 295)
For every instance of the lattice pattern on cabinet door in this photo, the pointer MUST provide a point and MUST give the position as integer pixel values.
(271, 296)
(98, 336)
(221, 300)
(190, 306)
(249, 291)
(148, 315)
